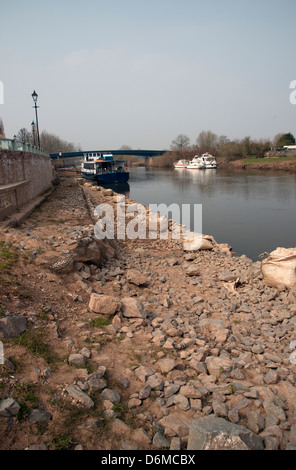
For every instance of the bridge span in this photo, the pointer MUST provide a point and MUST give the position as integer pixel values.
(137, 153)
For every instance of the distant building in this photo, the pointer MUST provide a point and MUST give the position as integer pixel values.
(290, 147)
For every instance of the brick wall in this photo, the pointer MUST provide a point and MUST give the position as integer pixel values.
(23, 176)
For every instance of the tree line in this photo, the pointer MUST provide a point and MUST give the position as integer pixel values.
(207, 141)
(222, 147)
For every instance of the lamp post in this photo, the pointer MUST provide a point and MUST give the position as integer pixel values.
(33, 132)
(35, 97)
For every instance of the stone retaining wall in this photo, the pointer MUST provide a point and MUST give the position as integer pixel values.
(23, 176)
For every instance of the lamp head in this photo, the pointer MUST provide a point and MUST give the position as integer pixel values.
(34, 96)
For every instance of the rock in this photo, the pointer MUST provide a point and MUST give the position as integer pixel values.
(110, 395)
(176, 444)
(218, 365)
(145, 392)
(271, 377)
(192, 270)
(143, 373)
(77, 360)
(96, 383)
(9, 407)
(39, 416)
(85, 352)
(167, 364)
(141, 437)
(181, 402)
(75, 392)
(134, 403)
(155, 382)
(160, 441)
(133, 308)
(136, 277)
(12, 326)
(176, 424)
(104, 304)
(212, 433)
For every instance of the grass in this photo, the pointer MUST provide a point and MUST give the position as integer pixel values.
(63, 441)
(27, 398)
(8, 257)
(270, 160)
(73, 416)
(34, 343)
(100, 322)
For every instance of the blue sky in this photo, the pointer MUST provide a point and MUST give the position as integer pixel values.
(138, 73)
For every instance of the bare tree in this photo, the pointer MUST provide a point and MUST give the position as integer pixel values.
(53, 144)
(24, 135)
(125, 147)
(181, 143)
(207, 141)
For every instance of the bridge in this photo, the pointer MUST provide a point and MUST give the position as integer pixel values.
(137, 153)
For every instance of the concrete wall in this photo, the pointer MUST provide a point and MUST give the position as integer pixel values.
(23, 176)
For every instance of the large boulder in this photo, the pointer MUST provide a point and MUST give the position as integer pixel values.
(212, 433)
(104, 304)
(133, 308)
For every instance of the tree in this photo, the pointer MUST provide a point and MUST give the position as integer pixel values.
(125, 147)
(285, 139)
(181, 143)
(24, 135)
(53, 144)
(207, 141)
(231, 151)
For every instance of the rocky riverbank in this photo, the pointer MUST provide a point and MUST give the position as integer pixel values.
(138, 344)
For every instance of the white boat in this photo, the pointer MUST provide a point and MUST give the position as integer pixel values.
(196, 163)
(205, 161)
(208, 160)
(181, 164)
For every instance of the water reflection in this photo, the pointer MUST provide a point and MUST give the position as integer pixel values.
(120, 188)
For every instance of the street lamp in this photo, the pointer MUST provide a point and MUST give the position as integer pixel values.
(35, 97)
(33, 133)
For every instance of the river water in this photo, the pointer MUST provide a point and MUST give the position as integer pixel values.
(253, 211)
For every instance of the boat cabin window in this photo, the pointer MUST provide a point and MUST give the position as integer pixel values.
(89, 166)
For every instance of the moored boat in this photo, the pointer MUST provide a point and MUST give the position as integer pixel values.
(205, 161)
(195, 164)
(181, 164)
(103, 169)
(208, 160)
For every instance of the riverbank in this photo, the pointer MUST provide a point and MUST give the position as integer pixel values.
(127, 344)
(275, 164)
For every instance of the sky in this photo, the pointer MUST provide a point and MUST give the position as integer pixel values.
(139, 73)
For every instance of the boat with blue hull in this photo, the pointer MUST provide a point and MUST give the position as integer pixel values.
(103, 169)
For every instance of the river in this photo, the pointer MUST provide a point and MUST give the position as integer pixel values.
(253, 211)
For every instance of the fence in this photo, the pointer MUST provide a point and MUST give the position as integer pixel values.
(17, 146)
